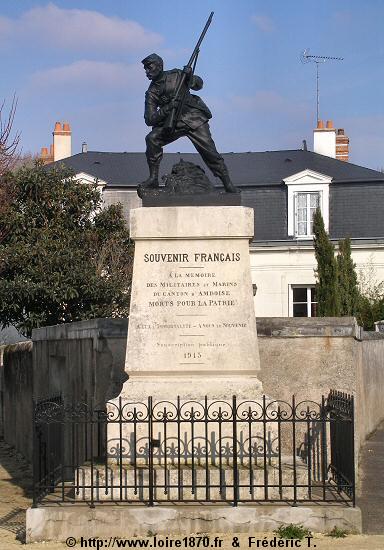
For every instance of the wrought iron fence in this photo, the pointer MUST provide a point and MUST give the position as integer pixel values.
(195, 451)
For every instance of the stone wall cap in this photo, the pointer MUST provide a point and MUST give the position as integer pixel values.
(90, 328)
(295, 327)
(372, 335)
(26, 345)
(191, 222)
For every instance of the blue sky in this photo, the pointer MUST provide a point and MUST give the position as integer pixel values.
(80, 62)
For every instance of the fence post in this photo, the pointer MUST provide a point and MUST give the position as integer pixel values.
(150, 452)
(121, 447)
(234, 445)
(353, 480)
(323, 444)
(91, 413)
(207, 493)
(35, 454)
(265, 465)
(294, 451)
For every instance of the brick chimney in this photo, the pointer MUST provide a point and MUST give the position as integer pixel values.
(62, 141)
(324, 139)
(342, 145)
(330, 141)
(45, 156)
(61, 147)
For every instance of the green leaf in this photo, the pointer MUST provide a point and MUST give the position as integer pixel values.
(62, 257)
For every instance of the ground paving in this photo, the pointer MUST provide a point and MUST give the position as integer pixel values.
(15, 497)
(371, 500)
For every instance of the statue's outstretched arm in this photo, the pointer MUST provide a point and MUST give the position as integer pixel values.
(153, 115)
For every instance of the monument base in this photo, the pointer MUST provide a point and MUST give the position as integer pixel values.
(192, 340)
(214, 386)
(192, 325)
(60, 522)
(197, 199)
(173, 483)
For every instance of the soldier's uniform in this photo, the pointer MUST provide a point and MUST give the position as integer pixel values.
(193, 122)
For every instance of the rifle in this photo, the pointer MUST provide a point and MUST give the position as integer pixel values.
(181, 89)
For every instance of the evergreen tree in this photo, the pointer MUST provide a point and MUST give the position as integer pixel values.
(62, 257)
(326, 273)
(371, 297)
(347, 280)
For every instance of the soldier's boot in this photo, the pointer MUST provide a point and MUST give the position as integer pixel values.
(153, 181)
(228, 185)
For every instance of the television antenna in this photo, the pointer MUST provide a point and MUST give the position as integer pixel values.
(306, 57)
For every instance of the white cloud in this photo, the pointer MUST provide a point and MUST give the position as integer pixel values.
(5, 28)
(263, 23)
(81, 30)
(89, 75)
(343, 17)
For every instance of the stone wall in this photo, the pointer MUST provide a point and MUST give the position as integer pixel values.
(128, 199)
(82, 361)
(301, 357)
(1, 392)
(17, 397)
(370, 382)
(307, 357)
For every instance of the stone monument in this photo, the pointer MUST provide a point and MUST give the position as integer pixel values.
(192, 341)
(192, 329)
(191, 424)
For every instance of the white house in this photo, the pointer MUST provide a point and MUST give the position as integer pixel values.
(284, 188)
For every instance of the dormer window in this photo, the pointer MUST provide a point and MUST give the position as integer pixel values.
(87, 179)
(305, 208)
(307, 191)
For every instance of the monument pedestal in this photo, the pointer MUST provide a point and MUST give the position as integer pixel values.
(192, 328)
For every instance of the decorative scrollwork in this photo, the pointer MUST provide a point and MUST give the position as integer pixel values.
(192, 411)
(134, 412)
(49, 411)
(164, 411)
(219, 411)
(249, 411)
(307, 410)
(119, 450)
(278, 410)
(113, 411)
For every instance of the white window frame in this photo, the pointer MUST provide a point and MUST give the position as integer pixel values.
(309, 302)
(307, 181)
(87, 179)
(308, 234)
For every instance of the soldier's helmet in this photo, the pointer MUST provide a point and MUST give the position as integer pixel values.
(153, 58)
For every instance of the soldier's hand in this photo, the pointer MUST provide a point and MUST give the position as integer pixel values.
(188, 71)
(174, 103)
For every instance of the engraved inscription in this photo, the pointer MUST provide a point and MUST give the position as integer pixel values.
(193, 303)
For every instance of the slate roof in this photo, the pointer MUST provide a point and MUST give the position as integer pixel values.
(254, 169)
(10, 335)
(356, 193)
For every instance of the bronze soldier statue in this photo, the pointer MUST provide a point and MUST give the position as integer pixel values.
(161, 101)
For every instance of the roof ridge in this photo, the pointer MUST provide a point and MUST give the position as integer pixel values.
(332, 159)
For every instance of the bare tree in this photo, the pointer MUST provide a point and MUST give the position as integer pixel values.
(9, 140)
